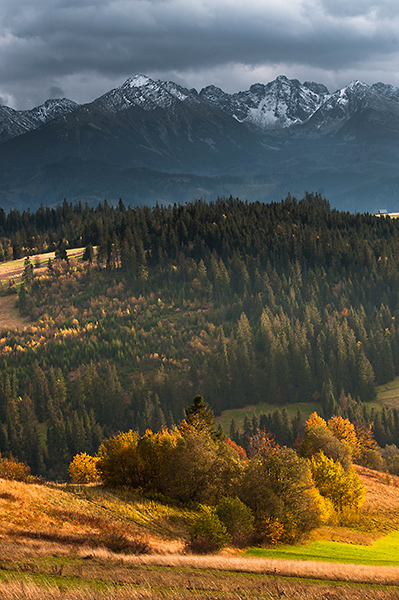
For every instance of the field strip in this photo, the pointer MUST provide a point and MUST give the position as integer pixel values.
(14, 268)
(283, 568)
(126, 580)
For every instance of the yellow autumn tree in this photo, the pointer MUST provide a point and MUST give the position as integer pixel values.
(343, 488)
(315, 419)
(344, 431)
(318, 437)
(83, 469)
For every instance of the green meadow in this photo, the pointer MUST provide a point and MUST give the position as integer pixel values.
(384, 551)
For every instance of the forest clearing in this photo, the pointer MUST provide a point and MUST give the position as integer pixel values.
(11, 273)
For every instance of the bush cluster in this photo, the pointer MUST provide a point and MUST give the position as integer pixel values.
(273, 496)
(11, 468)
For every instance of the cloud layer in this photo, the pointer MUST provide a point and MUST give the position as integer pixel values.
(82, 48)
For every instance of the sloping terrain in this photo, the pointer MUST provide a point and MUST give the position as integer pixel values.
(62, 538)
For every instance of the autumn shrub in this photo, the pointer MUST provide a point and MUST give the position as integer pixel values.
(8, 496)
(117, 541)
(277, 488)
(187, 463)
(83, 469)
(200, 545)
(372, 459)
(154, 452)
(118, 462)
(343, 488)
(200, 468)
(271, 529)
(344, 431)
(208, 530)
(325, 507)
(11, 468)
(237, 518)
(318, 438)
(337, 438)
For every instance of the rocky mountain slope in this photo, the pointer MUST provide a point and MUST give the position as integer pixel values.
(150, 141)
(16, 122)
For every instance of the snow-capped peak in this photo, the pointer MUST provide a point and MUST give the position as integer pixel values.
(278, 104)
(356, 84)
(137, 81)
(147, 93)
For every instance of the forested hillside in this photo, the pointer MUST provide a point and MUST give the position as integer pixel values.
(242, 303)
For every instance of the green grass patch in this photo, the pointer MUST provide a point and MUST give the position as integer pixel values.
(388, 394)
(239, 414)
(384, 551)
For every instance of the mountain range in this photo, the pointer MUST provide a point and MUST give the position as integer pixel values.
(153, 141)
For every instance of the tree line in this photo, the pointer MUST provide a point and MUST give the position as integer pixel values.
(240, 302)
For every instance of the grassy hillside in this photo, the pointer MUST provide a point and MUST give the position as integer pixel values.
(239, 414)
(54, 542)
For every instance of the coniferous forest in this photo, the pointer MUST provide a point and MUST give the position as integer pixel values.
(240, 302)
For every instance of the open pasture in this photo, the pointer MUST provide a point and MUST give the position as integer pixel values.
(384, 551)
(9, 314)
(388, 394)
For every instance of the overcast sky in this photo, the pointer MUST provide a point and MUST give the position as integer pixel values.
(80, 49)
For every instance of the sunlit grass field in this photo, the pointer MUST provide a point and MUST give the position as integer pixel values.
(53, 545)
(384, 551)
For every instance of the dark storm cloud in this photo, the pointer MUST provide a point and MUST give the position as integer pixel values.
(85, 47)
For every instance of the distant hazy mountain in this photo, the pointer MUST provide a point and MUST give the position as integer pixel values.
(149, 141)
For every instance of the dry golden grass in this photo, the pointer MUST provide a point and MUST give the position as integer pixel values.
(382, 489)
(9, 315)
(13, 269)
(234, 590)
(101, 576)
(47, 551)
(59, 511)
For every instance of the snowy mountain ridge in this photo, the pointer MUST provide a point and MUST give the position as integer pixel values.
(280, 104)
(144, 92)
(150, 141)
(276, 105)
(16, 122)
